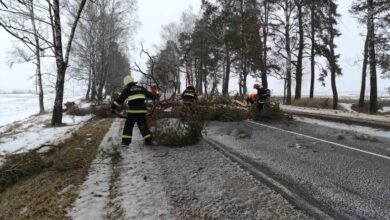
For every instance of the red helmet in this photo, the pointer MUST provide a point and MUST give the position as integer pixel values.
(190, 86)
(257, 86)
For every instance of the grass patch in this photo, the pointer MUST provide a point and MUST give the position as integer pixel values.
(323, 103)
(47, 185)
(271, 112)
(366, 107)
(114, 154)
(365, 137)
(244, 133)
(225, 113)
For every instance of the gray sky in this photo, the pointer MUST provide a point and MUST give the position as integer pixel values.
(155, 13)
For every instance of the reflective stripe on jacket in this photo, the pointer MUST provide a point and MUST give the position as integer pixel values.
(136, 96)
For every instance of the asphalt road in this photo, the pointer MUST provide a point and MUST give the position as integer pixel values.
(344, 173)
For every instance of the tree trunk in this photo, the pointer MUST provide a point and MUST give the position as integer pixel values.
(38, 58)
(313, 52)
(373, 108)
(264, 79)
(93, 87)
(40, 86)
(57, 109)
(298, 76)
(288, 51)
(61, 62)
(244, 79)
(225, 87)
(61, 67)
(364, 73)
(333, 64)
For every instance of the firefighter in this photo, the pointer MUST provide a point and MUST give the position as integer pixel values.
(251, 99)
(189, 97)
(136, 112)
(263, 95)
(155, 92)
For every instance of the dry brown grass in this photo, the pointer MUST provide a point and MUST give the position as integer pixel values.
(50, 191)
(323, 103)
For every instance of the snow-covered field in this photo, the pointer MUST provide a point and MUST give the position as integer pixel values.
(33, 132)
(14, 107)
(21, 129)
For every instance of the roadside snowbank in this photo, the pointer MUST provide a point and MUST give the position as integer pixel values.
(347, 107)
(94, 192)
(342, 126)
(33, 132)
(339, 115)
(385, 109)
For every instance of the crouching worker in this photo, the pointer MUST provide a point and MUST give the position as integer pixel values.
(155, 93)
(251, 99)
(136, 112)
(262, 97)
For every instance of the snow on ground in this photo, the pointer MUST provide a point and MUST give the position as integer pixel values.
(93, 195)
(342, 126)
(337, 113)
(194, 182)
(15, 107)
(140, 193)
(141, 189)
(385, 109)
(347, 107)
(34, 131)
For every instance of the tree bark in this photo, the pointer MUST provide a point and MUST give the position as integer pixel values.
(225, 87)
(264, 79)
(364, 73)
(61, 62)
(312, 52)
(288, 51)
(373, 108)
(37, 57)
(333, 68)
(298, 76)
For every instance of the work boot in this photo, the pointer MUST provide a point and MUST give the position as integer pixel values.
(148, 142)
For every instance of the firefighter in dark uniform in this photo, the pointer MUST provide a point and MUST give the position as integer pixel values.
(262, 97)
(136, 112)
(189, 97)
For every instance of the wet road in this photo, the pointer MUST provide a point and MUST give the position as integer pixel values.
(344, 173)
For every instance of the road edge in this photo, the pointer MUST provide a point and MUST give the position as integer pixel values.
(341, 119)
(292, 197)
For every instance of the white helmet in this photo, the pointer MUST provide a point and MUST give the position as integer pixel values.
(128, 79)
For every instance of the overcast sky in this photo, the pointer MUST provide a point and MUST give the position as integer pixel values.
(155, 13)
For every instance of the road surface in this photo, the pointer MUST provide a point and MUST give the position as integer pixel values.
(343, 173)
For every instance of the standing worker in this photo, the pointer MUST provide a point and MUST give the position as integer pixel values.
(136, 96)
(155, 92)
(263, 95)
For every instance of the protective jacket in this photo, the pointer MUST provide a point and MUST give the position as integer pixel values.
(189, 95)
(136, 96)
(263, 94)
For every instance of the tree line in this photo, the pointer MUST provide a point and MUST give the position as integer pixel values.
(87, 38)
(230, 38)
(273, 38)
